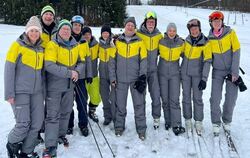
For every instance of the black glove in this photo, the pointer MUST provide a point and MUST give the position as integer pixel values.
(140, 84)
(89, 80)
(202, 85)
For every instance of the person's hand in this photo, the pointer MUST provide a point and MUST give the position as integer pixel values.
(74, 75)
(114, 83)
(234, 78)
(11, 101)
(202, 85)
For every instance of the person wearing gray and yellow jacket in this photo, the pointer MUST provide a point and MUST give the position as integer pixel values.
(226, 59)
(195, 69)
(23, 87)
(64, 65)
(93, 88)
(151, 36)
(81, 95)
(49, 26)
(171, 48)
(128, 69)
(106, 48)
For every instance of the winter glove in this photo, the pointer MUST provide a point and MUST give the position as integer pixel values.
(202, 85)
(140, 84)
(89, 80)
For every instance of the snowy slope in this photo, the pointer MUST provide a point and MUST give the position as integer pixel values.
(129, 146)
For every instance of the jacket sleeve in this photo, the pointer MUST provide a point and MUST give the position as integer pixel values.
(236, 54)
(207, 55)
(50, 62)
(89, 71)
(143, 59)
(112, 65)
(10, 71)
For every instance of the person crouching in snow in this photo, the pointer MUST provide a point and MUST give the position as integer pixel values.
(93, 88)
(128, 70)
(171, 48)
(23, 87)
(151, 36)
(81, 95)
(195, 69)
(226, 59)
(106, 49)
(63, 66)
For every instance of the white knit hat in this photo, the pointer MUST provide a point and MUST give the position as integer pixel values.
(33, 23)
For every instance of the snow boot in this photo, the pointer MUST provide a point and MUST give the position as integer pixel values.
(178, 130)
(63, 140)
(188, 124)
(167, 127)
(70, 131)
(84, 131)
(142, 136)
(40, 139)
(106, 122)
(156, 123)
(216, 129)
(31, 155)
(227, 127)
(93, 116)
(14, 149)
(118, 133)
(199, 127)
(49, 152)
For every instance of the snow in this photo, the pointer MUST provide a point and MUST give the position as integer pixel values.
(129, 146)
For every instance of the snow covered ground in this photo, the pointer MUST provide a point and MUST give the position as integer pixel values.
(129, 146)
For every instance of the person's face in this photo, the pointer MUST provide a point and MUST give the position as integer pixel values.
(217, 24)
(87, 36)
(195, 31)
(105, 35)
(129, 29)
(150, 24)
(33, 35)
(48, 18)
(77, 27)
(171, 33)
(65, 32)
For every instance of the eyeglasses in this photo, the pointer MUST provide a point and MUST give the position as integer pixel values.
(151, 14)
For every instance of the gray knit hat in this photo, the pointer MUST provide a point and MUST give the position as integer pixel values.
(171, 25)
(130, 19)
(33, 23)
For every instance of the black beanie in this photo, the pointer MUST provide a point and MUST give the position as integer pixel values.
(86, 29)
(106, 28)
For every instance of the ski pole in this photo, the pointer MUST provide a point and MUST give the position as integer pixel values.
(99, 150)
(105, 138)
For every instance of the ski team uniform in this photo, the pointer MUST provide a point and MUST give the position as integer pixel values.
(169, 78)
(194, 68)
(126, 65)
(151, 41)
(226, 60)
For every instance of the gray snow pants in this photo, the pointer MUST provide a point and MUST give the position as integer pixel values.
(138, 103)
(170, 94)
(28, 110)
(59, 107)
(190, 86)
(107, 93)
(154, 90)
(218, 78)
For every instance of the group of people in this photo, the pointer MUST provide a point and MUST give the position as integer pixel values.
(49, 66)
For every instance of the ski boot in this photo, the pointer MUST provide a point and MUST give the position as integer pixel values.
(63, 140)
(70, 131)
(31, 155)
(216, 129)
(156, 123)
(14, 149)
(178, 130)
(84, 131)
(106, 122)
(199, 127)
(49, 152)
(142, 136)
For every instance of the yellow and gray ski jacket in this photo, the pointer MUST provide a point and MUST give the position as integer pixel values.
(23, 68)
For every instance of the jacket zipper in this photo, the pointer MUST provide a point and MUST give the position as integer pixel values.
(127, 62)
(221, 48)
(190, 52)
